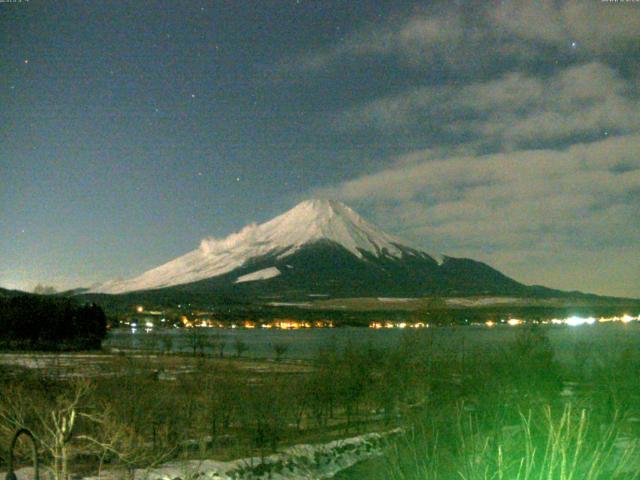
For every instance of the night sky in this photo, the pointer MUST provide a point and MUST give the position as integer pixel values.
(504, 131)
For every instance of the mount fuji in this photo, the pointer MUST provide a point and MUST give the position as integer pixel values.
(318, 248)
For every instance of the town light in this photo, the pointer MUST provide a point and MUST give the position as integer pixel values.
(575, 321)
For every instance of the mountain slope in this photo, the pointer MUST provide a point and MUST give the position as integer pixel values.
(318, 248)
(325, 268)
(308, 222)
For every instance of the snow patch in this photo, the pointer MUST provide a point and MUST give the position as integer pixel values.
(263, 274)
(317, 461)
(394, 299)
(439, 259)
(473, 302)
(289, 304)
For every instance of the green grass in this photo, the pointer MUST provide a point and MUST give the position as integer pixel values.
(507, 418)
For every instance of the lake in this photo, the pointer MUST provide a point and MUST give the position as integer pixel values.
(600, 341)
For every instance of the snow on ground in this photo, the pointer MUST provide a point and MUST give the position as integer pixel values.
(82, 365)
(474, 302)
(263, 274)
(24, 473)
(394, 299)
(289, 304)
(49, 360)
(304, 461)
(300, 462)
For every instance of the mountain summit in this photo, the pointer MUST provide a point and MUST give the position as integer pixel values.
(309, 222)
(319, 248)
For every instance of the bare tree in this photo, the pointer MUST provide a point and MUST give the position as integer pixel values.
(167, 342)
(240, 347)
(65, 426)
(219, 344)
(280, 349)
(198, 340)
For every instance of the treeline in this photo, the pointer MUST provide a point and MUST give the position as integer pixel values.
(38, 322)
(436, 314)
(136, 418)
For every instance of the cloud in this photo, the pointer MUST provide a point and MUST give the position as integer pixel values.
(504, 176)
(540, 20)
(468, 36)
(415, 38)
(514, 110)
(531, 115)
(548, 203)
(216, 246)
(598, 27)
(588, 99)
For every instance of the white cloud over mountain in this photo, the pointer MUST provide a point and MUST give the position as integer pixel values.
(526, 204)
(516, 135)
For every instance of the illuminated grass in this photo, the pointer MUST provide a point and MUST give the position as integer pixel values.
(543, 445)
(548, 447)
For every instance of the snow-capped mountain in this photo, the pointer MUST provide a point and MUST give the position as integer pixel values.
(320, 248)
(308, 222)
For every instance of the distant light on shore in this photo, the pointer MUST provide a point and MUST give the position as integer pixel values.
(575, 321)
(572, 321)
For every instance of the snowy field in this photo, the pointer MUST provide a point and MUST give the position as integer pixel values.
(89, 365)
(303, 461)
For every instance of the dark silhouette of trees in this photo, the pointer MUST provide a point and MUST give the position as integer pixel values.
(41, 289)
(50, 323)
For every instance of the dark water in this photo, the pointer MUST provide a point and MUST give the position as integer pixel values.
(600, 341)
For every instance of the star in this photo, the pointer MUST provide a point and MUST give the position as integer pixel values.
(26, 60)
(574, 44)
(237, 179)
(193, 95)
